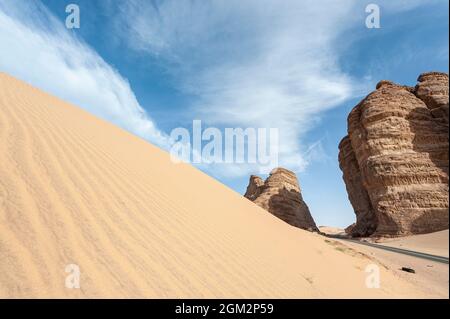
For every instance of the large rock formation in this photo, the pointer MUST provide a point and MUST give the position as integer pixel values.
(395, 158)
(280, 195)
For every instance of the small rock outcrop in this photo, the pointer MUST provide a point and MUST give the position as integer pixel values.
(395, 158)
(280, 195)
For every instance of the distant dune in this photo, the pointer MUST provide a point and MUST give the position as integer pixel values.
(77, 190)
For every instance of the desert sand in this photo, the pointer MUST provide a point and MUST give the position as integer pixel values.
(335, 231)
(77, 190)
(430, 276)
(434, 243)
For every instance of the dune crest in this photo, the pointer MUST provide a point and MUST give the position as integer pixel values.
(77, 190)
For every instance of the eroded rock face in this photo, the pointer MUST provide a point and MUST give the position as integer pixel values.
(280, 195)
(366, 222)
(432, 89)
(395, 158)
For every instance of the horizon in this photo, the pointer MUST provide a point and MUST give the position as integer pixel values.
(170, 63)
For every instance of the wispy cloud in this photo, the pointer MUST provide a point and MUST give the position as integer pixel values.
(249, 63)
(253, 63)
(36, 47)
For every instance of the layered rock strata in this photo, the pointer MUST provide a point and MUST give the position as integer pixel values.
(395, 158)
(280, 195)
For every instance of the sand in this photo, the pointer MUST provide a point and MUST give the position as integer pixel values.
(334, 231)
(77, 190)
(430, 276)
(434, 243)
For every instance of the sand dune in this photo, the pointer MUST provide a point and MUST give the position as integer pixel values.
(77, 190)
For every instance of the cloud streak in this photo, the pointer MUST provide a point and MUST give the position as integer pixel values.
(249, 63)
(36, 47)
(253, 63)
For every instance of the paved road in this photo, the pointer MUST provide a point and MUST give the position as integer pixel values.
(439, 259)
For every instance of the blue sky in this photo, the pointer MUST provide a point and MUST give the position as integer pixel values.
(151, 66)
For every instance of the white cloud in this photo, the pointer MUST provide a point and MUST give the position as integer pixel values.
(251, 63)
(37, 48)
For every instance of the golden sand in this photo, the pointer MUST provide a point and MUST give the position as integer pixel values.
(77, 190)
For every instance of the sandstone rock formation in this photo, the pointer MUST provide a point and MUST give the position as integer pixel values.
(280, 195)
(395, 158)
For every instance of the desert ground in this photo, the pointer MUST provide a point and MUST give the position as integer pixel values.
(435, 243)
(77, 190)
(429, 275)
